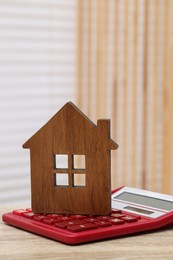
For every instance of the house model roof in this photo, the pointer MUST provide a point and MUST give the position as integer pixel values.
(74, 110)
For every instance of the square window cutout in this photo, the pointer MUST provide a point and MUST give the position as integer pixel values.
(61, 161)
(79, 162)
(61, 179)
(79, 180)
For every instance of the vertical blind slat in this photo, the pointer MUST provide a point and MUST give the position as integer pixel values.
(167, 106)
(115, 85)
(134, 95)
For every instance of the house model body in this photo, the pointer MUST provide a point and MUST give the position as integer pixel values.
(70, 133)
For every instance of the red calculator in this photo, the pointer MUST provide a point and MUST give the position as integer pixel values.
(133, 211)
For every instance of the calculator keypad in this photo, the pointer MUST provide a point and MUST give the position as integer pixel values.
(78, 223)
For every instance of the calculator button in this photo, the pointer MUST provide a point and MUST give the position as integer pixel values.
(117, 221)
(130, 219)
(78, 216)
(28, 215)
(82, 227)
(64, 218)
(90, 220)
(49, 221)
(19, 212)
(114, 211)
(104, 218)
(101, 223)
(118, 215)
(39, 217)
(65, 224)
(29, 209)
(54, 215)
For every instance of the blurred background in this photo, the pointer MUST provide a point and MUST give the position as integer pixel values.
(112, 58)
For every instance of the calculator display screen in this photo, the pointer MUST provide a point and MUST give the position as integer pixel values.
(146, 201)
(144, 211)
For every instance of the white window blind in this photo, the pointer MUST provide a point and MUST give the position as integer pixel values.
(37, 76)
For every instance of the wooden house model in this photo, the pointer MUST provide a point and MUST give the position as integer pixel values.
(69, 133)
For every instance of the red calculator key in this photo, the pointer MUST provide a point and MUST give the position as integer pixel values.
(90, 220)
(117, 221)
(118, 215)
(82, 227)
(64, 218)
(101, 223)
(130, 219)
(114, 211)
(28, 215)
(19, 212)
(78, 216)
(67, 215)
(29, 209)
(49, 221)
(54, 215)
(104, 218)
(65, 224)
(39, 218)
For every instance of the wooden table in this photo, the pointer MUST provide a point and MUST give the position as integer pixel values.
(18, 244)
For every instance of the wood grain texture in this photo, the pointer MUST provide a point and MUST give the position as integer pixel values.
(71, 133)
(17, 244)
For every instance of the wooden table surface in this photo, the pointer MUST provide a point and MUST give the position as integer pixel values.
(18, 244)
